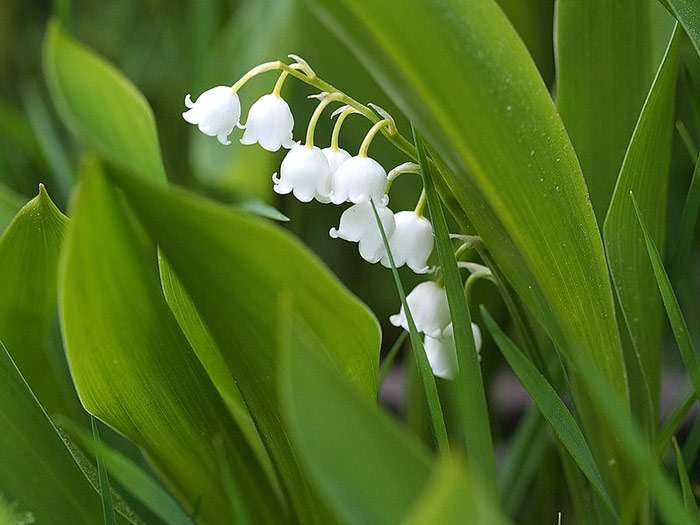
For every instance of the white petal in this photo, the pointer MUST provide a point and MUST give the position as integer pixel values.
(223, 139)
(429, 308)
(412, 242)
(305, 170)
(359, 179)
(188, 101)
(215, 112)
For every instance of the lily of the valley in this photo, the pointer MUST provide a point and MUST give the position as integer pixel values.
(442, 351)
(411, 243)
(304, 173)
(359, 179)
(358, 224)
(216, 112)
(429, 308)
(270, 123)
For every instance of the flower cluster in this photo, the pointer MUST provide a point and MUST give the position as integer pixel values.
(333, 175)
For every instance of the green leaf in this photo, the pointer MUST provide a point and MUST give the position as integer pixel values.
(100, 105)
(233, 266)
(687, 12)
(686, 228)
(145, 381)
(29, 251)
(603, 76)
(368, 469)
(133, 478)
(645, 171)
(469, 382)
(450, 495)
(689, 502)
(425, 373)
(673, 309)
(462, 75)
(552, 407)
(37, 472)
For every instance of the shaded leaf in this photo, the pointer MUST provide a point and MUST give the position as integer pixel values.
(689, 502)
(100, 105)
(330, 422)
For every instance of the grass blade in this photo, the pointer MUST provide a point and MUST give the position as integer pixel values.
(687, 12)
(673, 309)
(673, 423)
(105, 490)
(391, 356)
(689, 219)
(471, 398)
(132, 478)
(424, 370)
(552, 407)
(689, 502)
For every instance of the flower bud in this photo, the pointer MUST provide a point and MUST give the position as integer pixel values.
(429, 308)
(305, 173)
(270, 123)
(442, 351)
(358, 224)
(216, 112)
(411, 243)
(359, 179)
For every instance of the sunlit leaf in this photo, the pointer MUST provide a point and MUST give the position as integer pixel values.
(145, 381)
(29, 251)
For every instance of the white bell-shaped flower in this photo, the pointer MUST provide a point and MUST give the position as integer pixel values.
(429, 308)
(442, 351)
(412, 242)
(359, 179)
(216, 112)
(305, 173)
(358, 224)
(335, 157)
(270, 123)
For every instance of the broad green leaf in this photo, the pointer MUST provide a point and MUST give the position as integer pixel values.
(673, 309)
(145, 381)
(37, 472)
(460, 72)
(10, 204)
(645, 171)
(451, 495)
(100, 105)
(134, 479)
(687, 12)
(368, 469)
(689, 501)
(603, 76)
(552, 407)
(471, 399)
(233, 266)
(29, 251)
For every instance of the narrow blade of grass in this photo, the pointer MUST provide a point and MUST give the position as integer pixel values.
(391, 356)
(689, 219)
(552, 407)
(471, 398)
(689, 502)
(673, 309)
(132, 478)
(673, 423)
(426, 374)
(102, 476)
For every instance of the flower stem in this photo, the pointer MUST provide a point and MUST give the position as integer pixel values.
(327, 99)
(420, 206)
(280, 82)
(335, 137)
(406, 167)
(364, 147)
